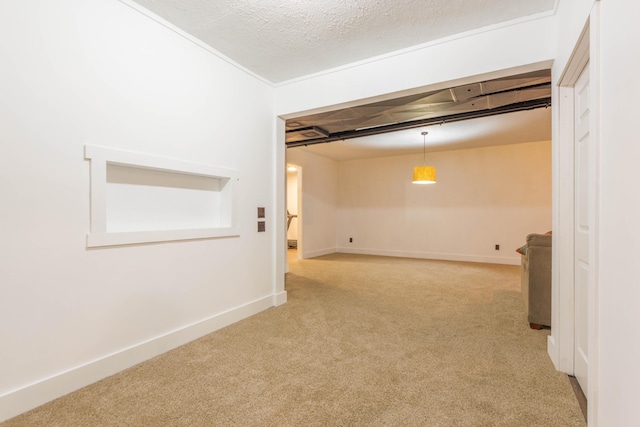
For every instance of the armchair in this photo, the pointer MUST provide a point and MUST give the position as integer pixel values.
(536, 279)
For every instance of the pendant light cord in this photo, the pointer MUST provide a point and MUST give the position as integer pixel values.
(424, 148)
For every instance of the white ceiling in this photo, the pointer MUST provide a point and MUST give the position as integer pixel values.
(281, 40)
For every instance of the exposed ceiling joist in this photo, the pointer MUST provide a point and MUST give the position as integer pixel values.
(341, 136)
(482, 99)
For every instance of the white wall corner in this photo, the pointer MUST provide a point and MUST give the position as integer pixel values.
(280, 264)
(280, 298)
(146, 12)
(552, 350)
(319, 252)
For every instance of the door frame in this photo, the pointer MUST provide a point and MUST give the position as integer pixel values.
(280, 216)
(561, 342)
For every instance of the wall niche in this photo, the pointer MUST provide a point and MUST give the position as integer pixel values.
(141, 198)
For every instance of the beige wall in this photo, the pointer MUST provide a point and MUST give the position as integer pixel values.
(318, 179)
(292, 203)
(484, 196)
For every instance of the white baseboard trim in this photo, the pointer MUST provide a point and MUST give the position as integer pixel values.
(552, 351)
(31, 396)
(515, 260)
(280, 298)
(319, 252)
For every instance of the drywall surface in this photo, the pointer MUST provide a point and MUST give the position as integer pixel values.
(617, 314)
(98, 72)
(319, 188)
(483, 197)
(572, 16)
(462, 59)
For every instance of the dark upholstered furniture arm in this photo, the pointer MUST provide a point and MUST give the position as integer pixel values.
(536, 279)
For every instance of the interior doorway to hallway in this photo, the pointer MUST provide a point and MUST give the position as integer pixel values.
(294, 229)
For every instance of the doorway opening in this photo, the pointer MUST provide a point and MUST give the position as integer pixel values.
(573, 341)
(294, 229)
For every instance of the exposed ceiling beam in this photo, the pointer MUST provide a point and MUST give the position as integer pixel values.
(339, 136)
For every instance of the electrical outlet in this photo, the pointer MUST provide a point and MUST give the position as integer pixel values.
(497, 247)
(350, 239)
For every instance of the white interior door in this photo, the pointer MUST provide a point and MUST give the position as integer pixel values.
(584, 225)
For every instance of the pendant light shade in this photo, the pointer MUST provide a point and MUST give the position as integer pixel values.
(424, 174)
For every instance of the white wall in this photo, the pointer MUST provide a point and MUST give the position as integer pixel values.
(483, 197)
(318, 179)
(571, 18)
(619, 275)
(78, 72)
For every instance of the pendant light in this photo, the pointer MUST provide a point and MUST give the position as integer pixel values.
(424, 174)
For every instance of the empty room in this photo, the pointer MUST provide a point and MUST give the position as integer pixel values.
(144, 264)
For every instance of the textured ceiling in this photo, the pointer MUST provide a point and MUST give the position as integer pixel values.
(280, 40)
(283, 39)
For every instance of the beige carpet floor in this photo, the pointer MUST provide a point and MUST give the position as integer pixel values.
(363, 341)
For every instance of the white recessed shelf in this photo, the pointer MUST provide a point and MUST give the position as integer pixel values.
(140, 198)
